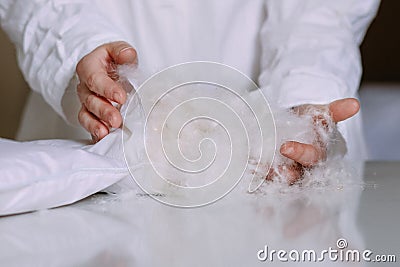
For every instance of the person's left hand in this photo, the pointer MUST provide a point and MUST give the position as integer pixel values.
(98, 87)
(308, 155)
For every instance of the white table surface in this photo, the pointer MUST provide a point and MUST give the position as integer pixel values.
(138, 231)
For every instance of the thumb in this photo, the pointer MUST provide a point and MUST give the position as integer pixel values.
(344, 108)
(122, 52)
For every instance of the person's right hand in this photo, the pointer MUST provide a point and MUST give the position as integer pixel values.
(306, 156)
(98, 87)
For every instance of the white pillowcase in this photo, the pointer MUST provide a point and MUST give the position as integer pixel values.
(51, 173)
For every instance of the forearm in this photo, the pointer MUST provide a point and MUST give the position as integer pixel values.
(51, 38)
(310, 50)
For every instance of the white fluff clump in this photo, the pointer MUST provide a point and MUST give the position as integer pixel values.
(204, 141)
(332, 172)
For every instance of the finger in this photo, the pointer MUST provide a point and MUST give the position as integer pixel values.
(305, 154)
(101, 84)
(343, 109)
(100, 107)
(96, 128)
(291, 172)
(92, 72)
(122, 53)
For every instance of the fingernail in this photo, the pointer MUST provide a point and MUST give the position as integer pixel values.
(96, 134)
(130, 59)
(287, 150)
(111, 120)
(117, 97)
(123, 49)
(356, 104)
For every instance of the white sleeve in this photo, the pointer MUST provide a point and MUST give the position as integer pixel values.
(310, 49)
(51, 37)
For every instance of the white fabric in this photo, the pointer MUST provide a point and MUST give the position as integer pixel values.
(299, 51)
(51, 173)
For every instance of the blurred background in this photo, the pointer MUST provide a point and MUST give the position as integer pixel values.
(380, 90)
(13, 89)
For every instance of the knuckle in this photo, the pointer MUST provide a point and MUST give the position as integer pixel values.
(81, 118)
(81, 64)
(91, 80)
(104, 113)
(90, 102)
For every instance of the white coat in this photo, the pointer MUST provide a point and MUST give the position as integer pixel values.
(298, 51)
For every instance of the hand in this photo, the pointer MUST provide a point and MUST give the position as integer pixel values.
(308, 155)
(98, 87)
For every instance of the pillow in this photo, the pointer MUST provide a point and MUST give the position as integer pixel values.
(51, 173)
(44, 174)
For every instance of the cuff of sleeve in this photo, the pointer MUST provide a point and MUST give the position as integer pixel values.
(301, 88)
